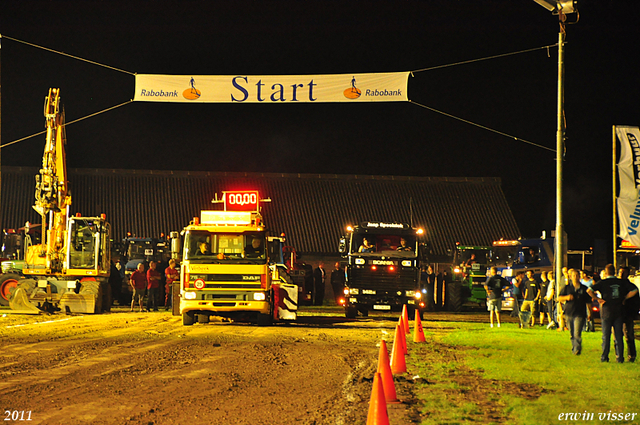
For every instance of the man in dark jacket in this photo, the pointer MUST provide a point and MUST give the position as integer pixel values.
(494, 286)
(319, 275)
(576, 298)
(629, 314)
(614, 292)
(337, 282)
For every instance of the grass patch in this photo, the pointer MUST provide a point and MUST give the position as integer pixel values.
(526, 376)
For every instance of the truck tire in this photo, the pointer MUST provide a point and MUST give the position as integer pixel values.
(453, 296)
(265, 319)
(411, 312)
(350, 312)
(8, 282)
(188, 318)
(364, 311)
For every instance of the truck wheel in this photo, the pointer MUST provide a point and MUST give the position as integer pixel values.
(188, 318)
(8, 282)
(454, 296)
(265, 319)
(411, 312)
(351, 312)
(364, 311)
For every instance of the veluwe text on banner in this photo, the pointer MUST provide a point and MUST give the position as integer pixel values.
(628, 199)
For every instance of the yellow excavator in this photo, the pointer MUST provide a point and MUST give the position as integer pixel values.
(69, 270)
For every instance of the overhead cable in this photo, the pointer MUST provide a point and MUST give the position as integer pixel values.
(66, 124)
(483, 127)
(66, 54)
(487, 58)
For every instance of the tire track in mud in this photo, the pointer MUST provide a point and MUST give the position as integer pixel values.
(137, 368)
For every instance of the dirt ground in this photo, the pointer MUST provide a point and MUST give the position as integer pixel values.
(147, 368)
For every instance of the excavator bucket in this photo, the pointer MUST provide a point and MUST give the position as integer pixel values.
(20, 303)
(79, 303)
(89, 300)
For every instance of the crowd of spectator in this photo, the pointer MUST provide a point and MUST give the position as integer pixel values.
(570, 304)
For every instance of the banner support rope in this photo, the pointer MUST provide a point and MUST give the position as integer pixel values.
(66, 124)
(517, 139)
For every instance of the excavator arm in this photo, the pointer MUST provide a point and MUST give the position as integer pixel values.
(52, 197)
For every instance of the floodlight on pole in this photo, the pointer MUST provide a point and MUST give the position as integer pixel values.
(564, 6)
(560, 8)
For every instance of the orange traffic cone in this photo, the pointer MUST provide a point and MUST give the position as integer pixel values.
(405, 317)
(377, 407)
(384, 369)
(398, 364)
(403, 338)
(418, 333)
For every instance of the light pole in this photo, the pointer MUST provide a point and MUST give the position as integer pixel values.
(561, 8)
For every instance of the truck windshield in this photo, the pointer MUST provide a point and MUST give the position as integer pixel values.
(470, 256)
(390, 245)
(504, 255)
(138, 250)
(227, 247)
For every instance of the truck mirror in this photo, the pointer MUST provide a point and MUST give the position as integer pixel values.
(176, 245)
(342, 247)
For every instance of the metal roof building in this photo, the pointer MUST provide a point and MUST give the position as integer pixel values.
(311, 209)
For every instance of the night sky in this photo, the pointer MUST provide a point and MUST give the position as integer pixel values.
(514, 94)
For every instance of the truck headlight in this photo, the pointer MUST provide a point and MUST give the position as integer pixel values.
(190, 295)
(259, 296)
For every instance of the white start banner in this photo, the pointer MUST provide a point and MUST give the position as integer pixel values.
(379, 87)
(628, 201)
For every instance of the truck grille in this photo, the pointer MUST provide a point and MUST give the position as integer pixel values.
(382, 279)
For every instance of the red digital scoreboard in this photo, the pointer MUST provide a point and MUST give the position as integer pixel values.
(241, 200)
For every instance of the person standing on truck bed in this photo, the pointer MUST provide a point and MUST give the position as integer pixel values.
(318, 277)
(153, 286)
(171, 275)
(138, 281)
(366, 246)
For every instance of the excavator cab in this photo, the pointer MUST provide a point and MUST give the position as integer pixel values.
(88, 241)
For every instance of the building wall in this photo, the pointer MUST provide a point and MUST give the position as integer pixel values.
(312, 210)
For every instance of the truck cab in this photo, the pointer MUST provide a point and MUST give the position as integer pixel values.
(521, 255)
(227, 270)
(383, 268)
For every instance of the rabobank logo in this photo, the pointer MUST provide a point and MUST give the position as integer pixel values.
(380, 92)
(352, 92)
(192, 93)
